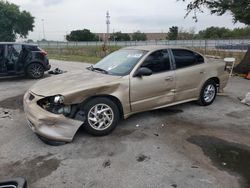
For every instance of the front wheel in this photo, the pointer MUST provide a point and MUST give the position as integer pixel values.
(102, 116)
(208, 93)
(35, 71)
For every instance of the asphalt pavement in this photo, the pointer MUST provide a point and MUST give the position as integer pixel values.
(167, 148)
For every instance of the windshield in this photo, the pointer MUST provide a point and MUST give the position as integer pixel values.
(120, 62)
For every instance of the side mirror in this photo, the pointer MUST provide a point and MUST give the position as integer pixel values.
(143, 71)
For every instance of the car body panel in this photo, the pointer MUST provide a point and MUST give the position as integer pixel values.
(77, 87)
(46, 124)
(189, 81)
(152, 91)
(135, 94)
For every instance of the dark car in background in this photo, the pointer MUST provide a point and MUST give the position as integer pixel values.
(22, 59)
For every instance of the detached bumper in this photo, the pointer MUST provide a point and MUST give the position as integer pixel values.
(46, 124)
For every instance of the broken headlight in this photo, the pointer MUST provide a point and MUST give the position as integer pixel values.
(59, 99)
(55, 105)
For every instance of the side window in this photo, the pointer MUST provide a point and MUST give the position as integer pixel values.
(158, 61)
(199, 58)
(186, 58)
(13, 52)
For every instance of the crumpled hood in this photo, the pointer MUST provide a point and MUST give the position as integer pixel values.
(68, 83)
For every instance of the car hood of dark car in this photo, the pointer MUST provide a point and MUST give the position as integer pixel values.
(68, 83)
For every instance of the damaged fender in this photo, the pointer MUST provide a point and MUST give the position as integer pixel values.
(54, 127)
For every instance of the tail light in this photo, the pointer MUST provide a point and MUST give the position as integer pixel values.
(44, 53)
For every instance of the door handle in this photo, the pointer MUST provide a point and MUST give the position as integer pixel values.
(202, 72)
(169, 78)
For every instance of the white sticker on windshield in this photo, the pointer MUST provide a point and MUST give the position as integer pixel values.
(134, 55)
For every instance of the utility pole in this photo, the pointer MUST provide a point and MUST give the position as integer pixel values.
(108, 25)
(43, 30)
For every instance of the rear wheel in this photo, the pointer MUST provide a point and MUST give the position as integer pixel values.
(35, 71)
(102, 116)
(208, 93)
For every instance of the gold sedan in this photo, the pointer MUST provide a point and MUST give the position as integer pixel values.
(126, 82)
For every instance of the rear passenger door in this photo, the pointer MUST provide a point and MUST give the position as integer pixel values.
(13, 55)
(190, 74)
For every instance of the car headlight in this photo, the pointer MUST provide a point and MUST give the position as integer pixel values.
(55, 105)
(59, 99)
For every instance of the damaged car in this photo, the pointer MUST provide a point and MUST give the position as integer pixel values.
(128, 81)
(22, 59)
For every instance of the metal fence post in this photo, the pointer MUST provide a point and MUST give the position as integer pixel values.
(205, 47)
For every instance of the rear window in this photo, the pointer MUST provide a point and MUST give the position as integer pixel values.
(186, 58)
(33, 48)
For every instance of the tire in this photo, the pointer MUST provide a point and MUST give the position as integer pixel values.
(102, 116)
(208, 93)
(35, 71)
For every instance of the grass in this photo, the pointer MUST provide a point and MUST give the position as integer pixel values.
(89, 54)
(78, 58)
(92, 54)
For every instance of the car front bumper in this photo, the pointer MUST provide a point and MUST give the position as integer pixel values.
(51, 126)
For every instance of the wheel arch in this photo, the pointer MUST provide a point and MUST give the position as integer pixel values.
(33, 62)
(216, 80)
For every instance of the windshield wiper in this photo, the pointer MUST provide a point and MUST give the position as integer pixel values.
(92, 68)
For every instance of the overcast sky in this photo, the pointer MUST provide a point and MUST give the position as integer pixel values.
(62, 16)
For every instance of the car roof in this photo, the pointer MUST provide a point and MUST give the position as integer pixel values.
(153, 47)
(27, 44)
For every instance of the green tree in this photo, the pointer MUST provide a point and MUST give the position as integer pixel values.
(139, 36)
(215, 33)
(119, 36)
(240, 9)
(14, 22)
(81, 35)
(173, 33)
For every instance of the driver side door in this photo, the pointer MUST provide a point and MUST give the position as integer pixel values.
(156, 90)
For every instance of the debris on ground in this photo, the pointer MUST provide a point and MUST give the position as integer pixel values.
(57, 71)
(246, 100)
(222, 94)
(137, 125)
(174, 185)
(106, 163)
(5, 114)
(156, 134)
(142, 157)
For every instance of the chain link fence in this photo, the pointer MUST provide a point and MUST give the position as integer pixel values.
(93, 51)
(234, 44)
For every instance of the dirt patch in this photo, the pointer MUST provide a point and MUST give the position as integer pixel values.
(239, 114)
(14, 103)
(142, 157)
(33, 169)
(228, 156)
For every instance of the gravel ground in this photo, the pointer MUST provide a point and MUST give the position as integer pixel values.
(149, 149)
